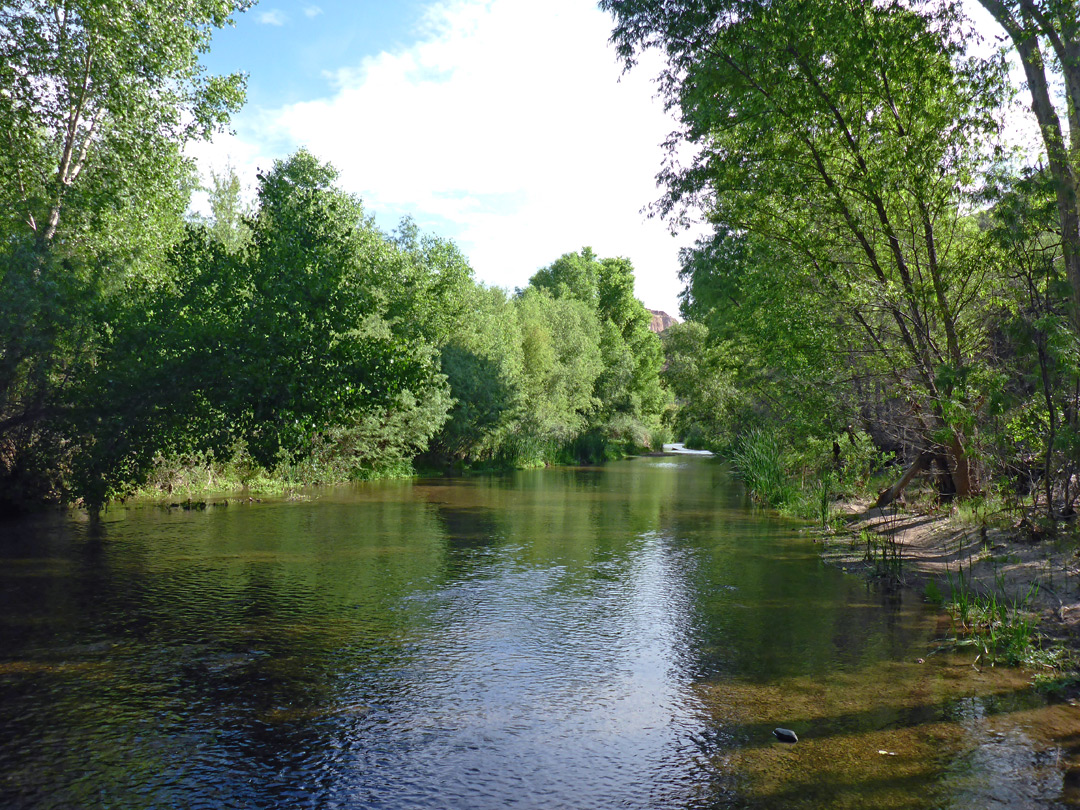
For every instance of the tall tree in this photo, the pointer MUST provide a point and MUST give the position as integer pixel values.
(629, 384)
(845, 132)
(561, 360)
(230, 214)
(99, 97)
(284, 346)
(1039, 28)
(483, 365)
(700, 379)
(789, 355)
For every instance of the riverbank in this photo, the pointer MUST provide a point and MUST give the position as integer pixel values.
(202, 481)
(939, 554)
(680, 449)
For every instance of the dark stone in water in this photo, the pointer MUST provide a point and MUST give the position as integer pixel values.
(785, 735)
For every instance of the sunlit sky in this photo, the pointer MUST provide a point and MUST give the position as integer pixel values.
(506, 126)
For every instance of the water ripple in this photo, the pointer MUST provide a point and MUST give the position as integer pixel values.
(558, 638)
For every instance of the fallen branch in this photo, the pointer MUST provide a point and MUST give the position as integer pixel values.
(894, 492)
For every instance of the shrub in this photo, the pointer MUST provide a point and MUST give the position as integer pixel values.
(759, 462)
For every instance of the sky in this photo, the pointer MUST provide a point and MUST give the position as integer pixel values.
(508, 127)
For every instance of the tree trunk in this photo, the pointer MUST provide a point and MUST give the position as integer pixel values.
(1024, 36)
(894, 492)
(963, 477)
(946, 487)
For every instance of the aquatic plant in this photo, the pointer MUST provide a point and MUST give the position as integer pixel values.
(759, 462)
(1003, 628)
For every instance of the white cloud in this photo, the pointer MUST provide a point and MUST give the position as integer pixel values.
(506, 128)
(274, 16)
(312, 11)
(245, 158)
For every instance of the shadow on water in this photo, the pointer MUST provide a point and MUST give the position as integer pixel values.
(624, 636)
(469, 528)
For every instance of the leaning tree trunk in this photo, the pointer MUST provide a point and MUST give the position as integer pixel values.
(896, 490)
(955, 465)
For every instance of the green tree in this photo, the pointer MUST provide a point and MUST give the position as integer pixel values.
(316, 344)
(628, 389)
(284, 348)
(846, 134)
(483, 363)
(434, 298)
(1035, 427)
(697, 374)
(573, 274)
(561, 361)
(630, 384)
(230, 214)
(431, 287)
(1037, 29)
(98, 101)
(793, 356)
(50, 320)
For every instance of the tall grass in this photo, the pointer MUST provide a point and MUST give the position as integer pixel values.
(759, 462)
(1002, 627)
(803, 476)
(824, 499)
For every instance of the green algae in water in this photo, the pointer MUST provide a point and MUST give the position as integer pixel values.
(591, 637)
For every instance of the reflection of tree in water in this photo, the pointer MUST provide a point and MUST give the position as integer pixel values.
(395, 636)
(471, 533)
(766, 607)
(468, 527)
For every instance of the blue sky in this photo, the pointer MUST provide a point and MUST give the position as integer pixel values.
(288, 48)
(505, 126)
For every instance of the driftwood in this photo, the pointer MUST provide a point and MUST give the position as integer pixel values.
(893, 492)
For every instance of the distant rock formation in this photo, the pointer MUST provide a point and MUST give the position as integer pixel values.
(660, 321)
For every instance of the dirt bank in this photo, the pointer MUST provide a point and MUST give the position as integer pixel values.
(936, 547)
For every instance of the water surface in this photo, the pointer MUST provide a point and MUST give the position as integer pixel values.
(617, 637)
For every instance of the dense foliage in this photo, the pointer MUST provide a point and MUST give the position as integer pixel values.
(880, 266)
(883, 278)
(287, 338)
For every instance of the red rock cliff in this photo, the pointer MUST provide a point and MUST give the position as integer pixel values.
(660, 321)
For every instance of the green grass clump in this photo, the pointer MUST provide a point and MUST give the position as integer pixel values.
(981, 512)
(1004, 629)
(759, 462)
(932, 593)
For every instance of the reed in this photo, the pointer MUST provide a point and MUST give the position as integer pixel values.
(1001, 626)
(759, 462)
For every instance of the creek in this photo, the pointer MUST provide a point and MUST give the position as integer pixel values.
(625, 636)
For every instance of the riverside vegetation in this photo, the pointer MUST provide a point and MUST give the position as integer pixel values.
(888, 296)
(888, 292)
(286, 342)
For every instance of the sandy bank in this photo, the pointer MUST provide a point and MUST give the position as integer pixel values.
(936, 546)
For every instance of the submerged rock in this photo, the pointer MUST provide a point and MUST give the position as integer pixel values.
(785, 735)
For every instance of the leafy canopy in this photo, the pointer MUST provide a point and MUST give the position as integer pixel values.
(98, 99)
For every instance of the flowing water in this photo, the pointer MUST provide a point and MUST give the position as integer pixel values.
(616, 637)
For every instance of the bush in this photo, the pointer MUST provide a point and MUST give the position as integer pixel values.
(695, 438)
(759, 462)
(659, 436)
